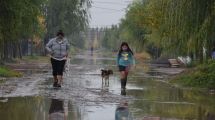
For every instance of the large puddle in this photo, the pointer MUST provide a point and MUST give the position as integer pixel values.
(83, 97)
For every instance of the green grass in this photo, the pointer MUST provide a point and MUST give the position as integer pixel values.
(34, 59)
(1, 80)
(6, 72)
(202, 76)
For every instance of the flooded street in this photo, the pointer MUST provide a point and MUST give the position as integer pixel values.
(83, 97)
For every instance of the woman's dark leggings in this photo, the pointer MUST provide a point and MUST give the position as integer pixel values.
(57, 66)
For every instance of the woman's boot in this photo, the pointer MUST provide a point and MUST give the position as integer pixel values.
(123, 83)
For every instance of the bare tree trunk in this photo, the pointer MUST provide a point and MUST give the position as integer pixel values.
(5, 51)
(19, 50)
(31, 46)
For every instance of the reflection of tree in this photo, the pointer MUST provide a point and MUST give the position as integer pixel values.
(35, 108)
(74, 113)
(64, 110)
(161, 99)
(204, 114)
(23, 109)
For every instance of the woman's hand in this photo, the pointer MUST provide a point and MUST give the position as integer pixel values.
(50, 54)
(66, 55)
(132, 67)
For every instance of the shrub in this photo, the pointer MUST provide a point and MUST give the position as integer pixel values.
(6, 72)
(202, 76)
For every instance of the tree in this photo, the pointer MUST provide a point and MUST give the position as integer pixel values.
(18, 20)
(71, 16)
(26, 21)
(177, 27)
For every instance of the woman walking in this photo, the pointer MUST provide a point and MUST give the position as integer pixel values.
(125, 60)
(58, 49)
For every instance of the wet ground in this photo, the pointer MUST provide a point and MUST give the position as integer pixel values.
(83, 97)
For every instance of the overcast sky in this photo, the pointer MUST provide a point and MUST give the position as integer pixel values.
(104, 13)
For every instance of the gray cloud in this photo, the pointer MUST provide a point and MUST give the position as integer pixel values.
(104, 13)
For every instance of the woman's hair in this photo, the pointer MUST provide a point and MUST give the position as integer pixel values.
(60, 32)
(128, 50)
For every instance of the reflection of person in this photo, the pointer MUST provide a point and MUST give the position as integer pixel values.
(124, 61)
(58, 48)
(210, 116)
(213, 53)
(122, 112)
(91, 49)
(56, 111)
(123, 92)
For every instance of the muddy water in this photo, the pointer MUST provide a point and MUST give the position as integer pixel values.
(83, 97)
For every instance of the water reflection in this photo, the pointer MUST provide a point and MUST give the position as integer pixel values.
(168, 102)
(104, 89)
(210, 116)
(204, 114)
(123, 92)
(57, 110)
(122, 111)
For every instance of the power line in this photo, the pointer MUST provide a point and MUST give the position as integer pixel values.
(101, 26)
(124, 2)
(112, 3)
(108, 8)
(109, 11)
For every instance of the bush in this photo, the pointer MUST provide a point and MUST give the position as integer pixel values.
(5, 72)
(202, 76)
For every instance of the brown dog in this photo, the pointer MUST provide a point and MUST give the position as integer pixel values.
(105, 75)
